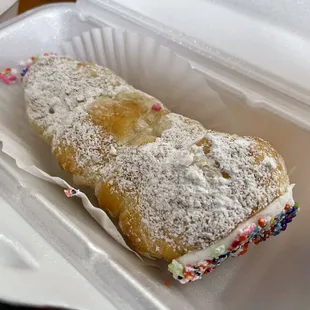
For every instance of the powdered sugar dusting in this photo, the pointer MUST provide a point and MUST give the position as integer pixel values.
(193, 185)
(270, 162)
(60, 92)
(182, 192)
(59, 88)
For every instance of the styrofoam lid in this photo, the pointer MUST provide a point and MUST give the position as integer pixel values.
(267, 41)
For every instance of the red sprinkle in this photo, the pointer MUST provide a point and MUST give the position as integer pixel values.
(5, 79)
(243, 238)
(156, 107)
(287, 207)
(243, 252)
(8, 70)
(167, 283)
(262, 222)
(235, 243)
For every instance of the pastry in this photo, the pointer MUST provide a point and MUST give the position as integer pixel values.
(176, 190)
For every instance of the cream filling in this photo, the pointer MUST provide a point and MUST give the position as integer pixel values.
(220, 247)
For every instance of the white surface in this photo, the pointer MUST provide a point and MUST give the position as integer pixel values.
(247, 30)
(239, 43)
(28, 263)
(272, 275)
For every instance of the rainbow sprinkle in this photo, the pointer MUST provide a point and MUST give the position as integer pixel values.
(254, 233)
(10, 75)
(71, 192)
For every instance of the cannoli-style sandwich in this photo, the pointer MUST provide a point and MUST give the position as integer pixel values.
(176, 190)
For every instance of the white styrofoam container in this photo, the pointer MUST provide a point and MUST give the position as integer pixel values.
(248, 53)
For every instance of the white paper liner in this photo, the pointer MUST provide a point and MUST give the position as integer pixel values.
(143, 63)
